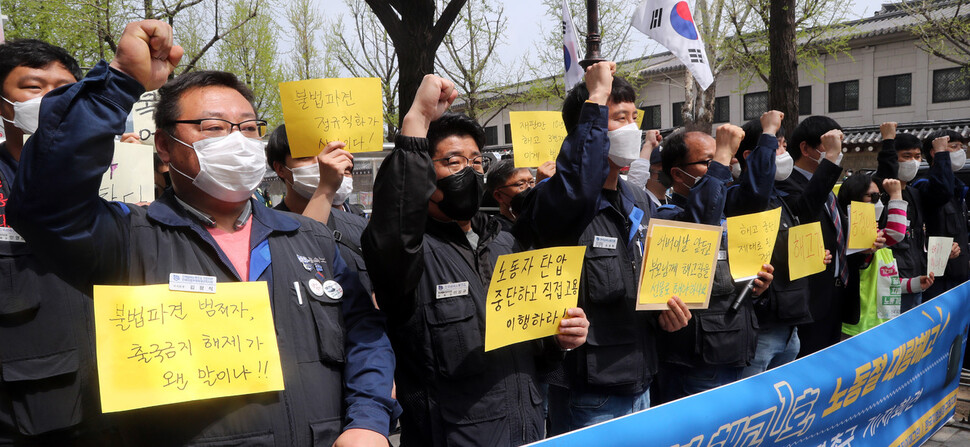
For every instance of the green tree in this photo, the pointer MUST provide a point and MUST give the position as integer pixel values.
(942, 28)
(307, 61)
(469, 58)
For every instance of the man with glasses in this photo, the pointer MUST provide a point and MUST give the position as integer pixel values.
(508, 185)
(336, 360)
(430, 254)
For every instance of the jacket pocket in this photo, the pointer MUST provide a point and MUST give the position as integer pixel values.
(604, 280)
(18, 287)
(617, 364)
(720, 338)
(457, 339)
(328, 318)
(723, 282)
(45, 392)
(325, 432)
(471, 404)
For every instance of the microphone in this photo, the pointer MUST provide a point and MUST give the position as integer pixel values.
(744, 294)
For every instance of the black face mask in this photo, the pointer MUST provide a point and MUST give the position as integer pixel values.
(517, 204)
(462, 194)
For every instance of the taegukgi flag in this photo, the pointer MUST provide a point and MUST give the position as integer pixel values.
(570, 48)
(671, 24)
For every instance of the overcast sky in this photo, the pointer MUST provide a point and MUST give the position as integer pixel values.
(527, 17)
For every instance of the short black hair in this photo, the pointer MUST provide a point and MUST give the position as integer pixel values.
(905, 141)
(573, 104)
(167, 109)
(498, 174)
(752, 133)
(33, 53)
(854, 188)
(278, 146)
(928, 141)
(454, 124)
(674, 153)
(810, 130)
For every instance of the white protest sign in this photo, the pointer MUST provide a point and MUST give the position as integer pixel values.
(143, 117)
(131, 176)
(937, 253)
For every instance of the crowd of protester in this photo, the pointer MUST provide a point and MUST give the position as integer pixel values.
(390, 346)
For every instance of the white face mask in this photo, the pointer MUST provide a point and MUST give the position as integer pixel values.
(908, 169)
(958, 159)
(695, 179)
(344, 191)
(736, 170)
(625, 145)
(305, 179)
(26, 115)
(783, 166)
(879, 208)
(230, 167)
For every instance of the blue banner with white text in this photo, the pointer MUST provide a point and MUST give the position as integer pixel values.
(894, 385)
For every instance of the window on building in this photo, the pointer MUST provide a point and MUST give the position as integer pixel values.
(722, 109)
(805, 100)
(651, 117)
(950, 84)
(508, 134)
(843, 96)
(491, 135)
(895, 91)
(677, 113)
(755, 104)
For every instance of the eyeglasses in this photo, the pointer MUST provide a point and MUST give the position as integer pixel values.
(699, 162)
(456, 163)
(215, 127)
(519, 184)
(874, 197)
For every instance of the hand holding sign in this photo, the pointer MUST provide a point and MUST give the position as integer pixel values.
(536, 137)
(679, 261)
(320, 111)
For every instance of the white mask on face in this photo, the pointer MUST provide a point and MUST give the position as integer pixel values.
(625, 145)
(344, 191)
(230, 167)
(695, 179)
(957, 159)
(783, 166)
(736, 170)
(305, 179)
(908, 169)
(26, 115)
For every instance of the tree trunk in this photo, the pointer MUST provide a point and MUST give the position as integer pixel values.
(783, 77)
(415, 61)
(698, 112)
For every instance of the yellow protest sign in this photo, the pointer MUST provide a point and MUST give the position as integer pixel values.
(806, 252)
(131, 175)
(319, 111)
(536, 137)
(529, 293)
(640, 113)
(862, 225)
(156, 346)
(750, 241)
(143, 117)
(680, 260)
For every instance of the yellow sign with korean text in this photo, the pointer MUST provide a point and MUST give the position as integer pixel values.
(750, 241)
(536, 137)
(862, 225)
(680, 260)
(156, 346)
(806, 251)
(529, 293)
(319, 111)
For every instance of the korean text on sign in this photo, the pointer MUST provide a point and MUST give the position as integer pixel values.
(679, 261)
(751, 239)
(156, 346)
(536, 137)
(131, 176)
(529, 293)
(319, 111)
(806, 252)
(862, 225)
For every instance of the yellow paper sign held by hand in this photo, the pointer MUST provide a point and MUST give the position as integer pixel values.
(529, 294)
(679, 261)
(319, 111)
(806, 252)
(536, 137)
(751, 239)
(156, 346)
(862, 225)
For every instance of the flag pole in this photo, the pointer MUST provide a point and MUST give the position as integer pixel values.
(592, 34)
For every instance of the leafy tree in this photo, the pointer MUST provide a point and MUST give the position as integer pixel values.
(469, 57)
(942, 28)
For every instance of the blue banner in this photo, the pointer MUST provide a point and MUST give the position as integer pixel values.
(894, 385)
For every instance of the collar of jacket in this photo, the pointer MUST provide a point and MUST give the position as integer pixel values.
(626, 199)
(167, 211)
(483, 225)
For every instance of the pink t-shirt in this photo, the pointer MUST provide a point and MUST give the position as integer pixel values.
(236, 246)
